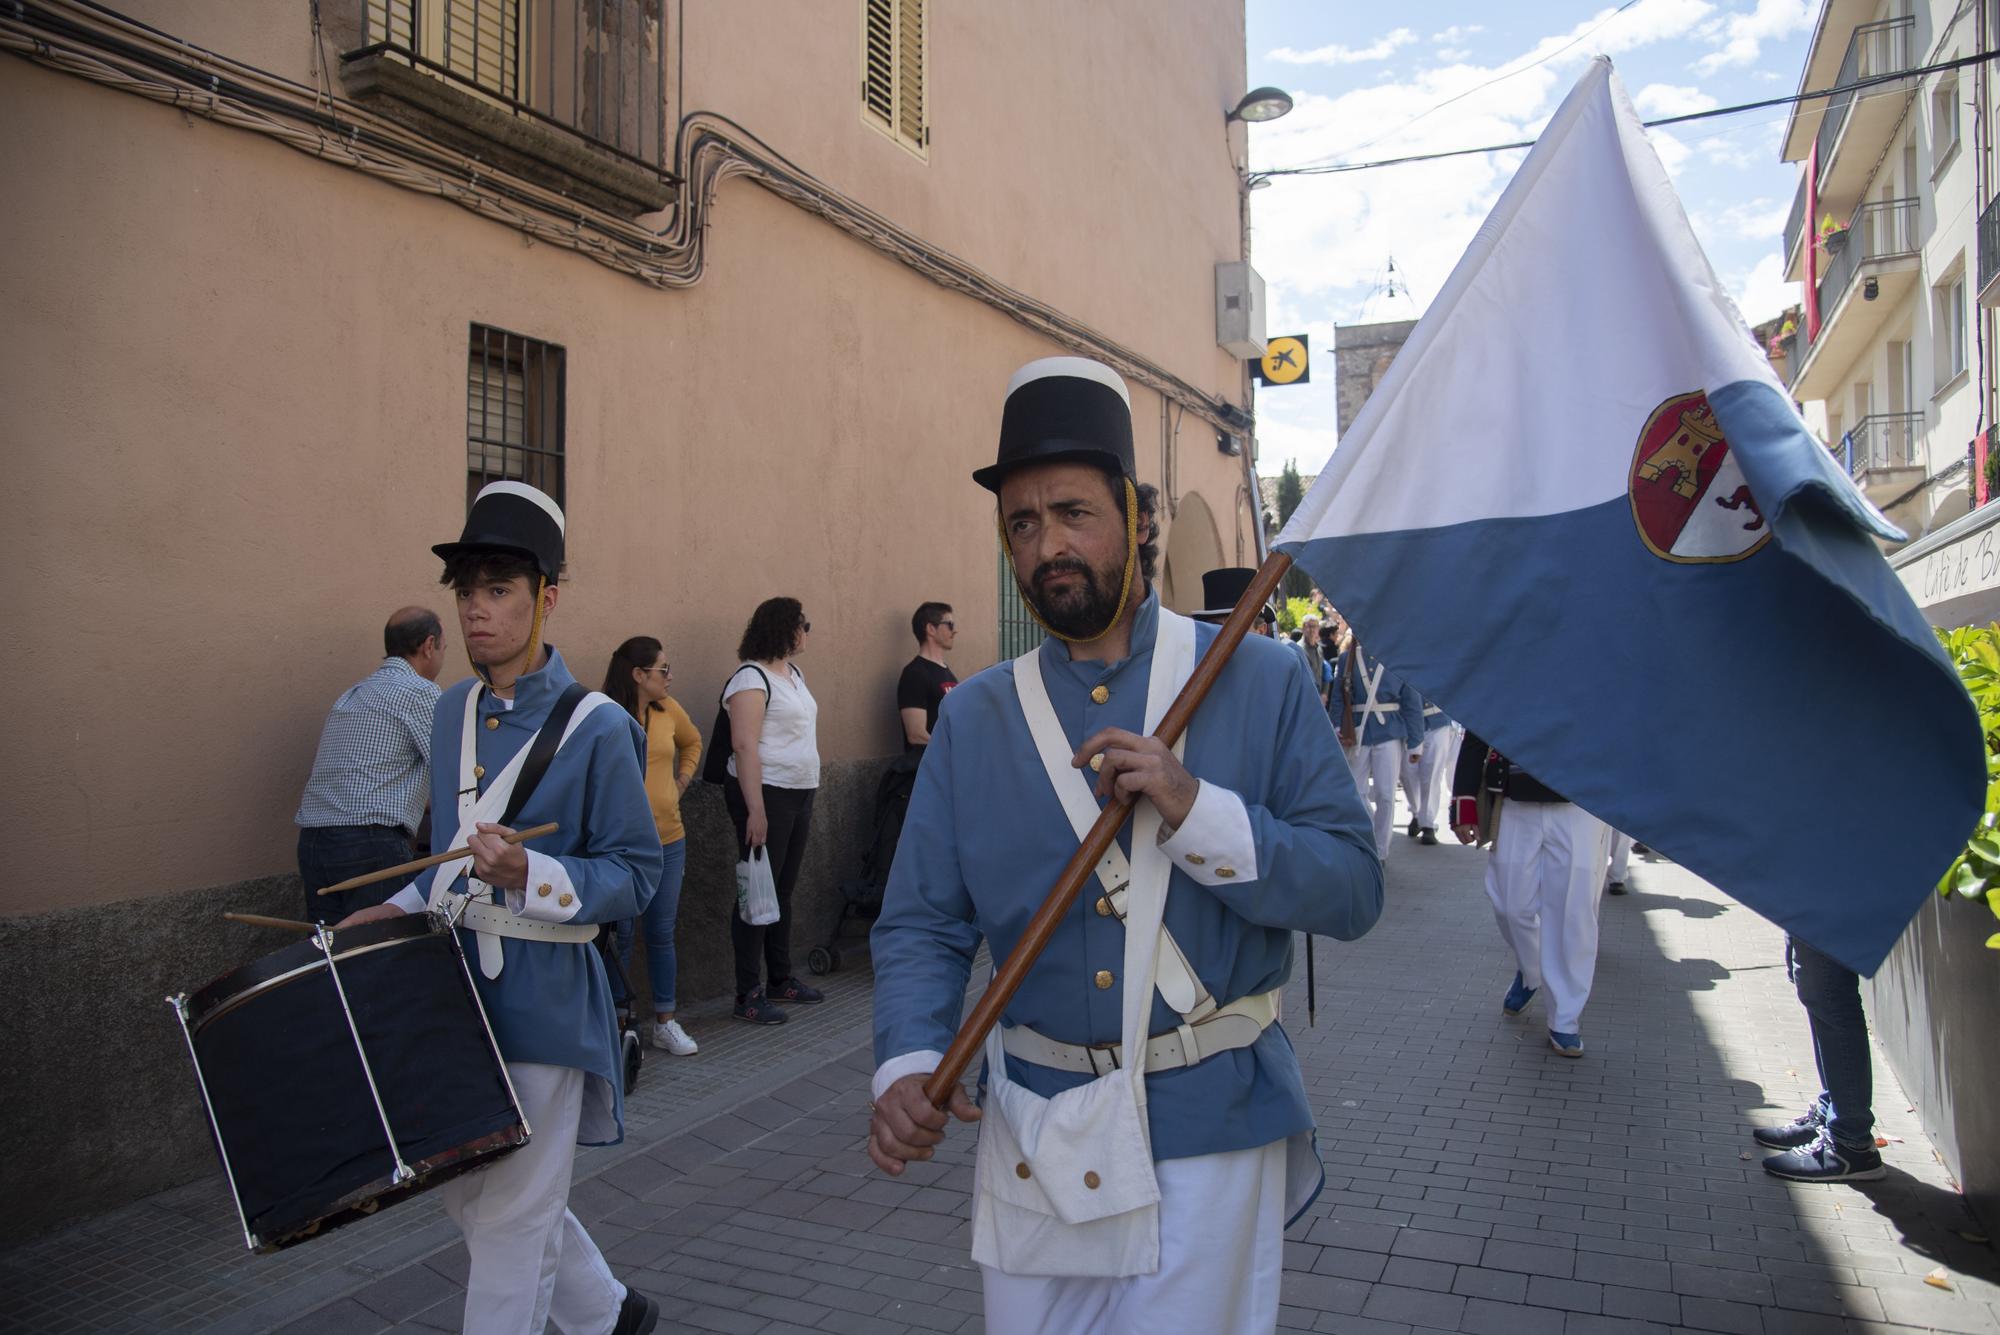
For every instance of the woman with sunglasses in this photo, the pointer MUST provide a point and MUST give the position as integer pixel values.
(774, 773)
(638, 678)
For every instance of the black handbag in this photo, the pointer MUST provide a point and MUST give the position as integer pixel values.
(715, 760)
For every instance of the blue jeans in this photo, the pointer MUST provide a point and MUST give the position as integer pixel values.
(1831, 994)
(661, 967)
(330, 854)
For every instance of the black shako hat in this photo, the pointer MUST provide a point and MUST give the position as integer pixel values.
(1063, 410)
(512, 517)
(1223, 589)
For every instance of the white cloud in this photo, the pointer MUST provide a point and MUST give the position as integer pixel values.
(1666, 99)
(1347, 55)
(1725, 152)
(1453, 54)
(1743, 35)
(1457, 32)
(1763, 292)
(1757, 220)
(1673, 153)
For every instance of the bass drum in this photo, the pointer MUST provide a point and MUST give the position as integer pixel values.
(286, 1077)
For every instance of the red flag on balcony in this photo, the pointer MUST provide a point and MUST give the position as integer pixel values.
(1812, 244)
(1980, 492)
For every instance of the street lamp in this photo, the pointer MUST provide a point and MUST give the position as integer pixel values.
(1261, 104)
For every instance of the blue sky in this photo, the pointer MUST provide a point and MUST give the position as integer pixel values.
(1363, 74)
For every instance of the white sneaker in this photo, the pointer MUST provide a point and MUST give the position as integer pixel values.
(671, 1037)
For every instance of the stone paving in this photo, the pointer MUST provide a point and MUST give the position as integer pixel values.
(1476, 1181)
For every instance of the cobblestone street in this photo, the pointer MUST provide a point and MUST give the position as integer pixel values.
(1476, 1181)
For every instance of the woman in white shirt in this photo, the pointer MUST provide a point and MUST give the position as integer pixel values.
(774, 762)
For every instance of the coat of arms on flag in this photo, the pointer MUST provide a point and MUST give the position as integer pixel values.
(1689, 498)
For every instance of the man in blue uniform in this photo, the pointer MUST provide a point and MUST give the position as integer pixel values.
(1381, 726)
(530, 913)
(1145, 1134)
(1422, 781)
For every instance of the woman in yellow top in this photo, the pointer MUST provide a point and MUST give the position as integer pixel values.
(638, 678)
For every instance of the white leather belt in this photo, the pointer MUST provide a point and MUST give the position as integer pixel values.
(497, 921)
(1236, 1025)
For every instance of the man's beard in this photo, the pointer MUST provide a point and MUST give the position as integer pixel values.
(1078, 611)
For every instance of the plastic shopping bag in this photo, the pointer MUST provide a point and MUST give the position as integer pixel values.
(756, 890)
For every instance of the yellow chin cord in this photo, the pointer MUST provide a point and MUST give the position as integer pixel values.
(1124, 585)
(534, 641)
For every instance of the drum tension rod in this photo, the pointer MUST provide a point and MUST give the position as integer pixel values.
(179, 1002)
(323, 938)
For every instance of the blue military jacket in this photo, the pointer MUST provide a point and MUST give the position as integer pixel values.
(986, 837)
(1402, 722)
(552, 1003)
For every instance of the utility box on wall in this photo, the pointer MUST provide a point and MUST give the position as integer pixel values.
(1239, 309)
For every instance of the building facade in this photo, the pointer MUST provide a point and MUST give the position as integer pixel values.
(1885, 229)
(740, 284)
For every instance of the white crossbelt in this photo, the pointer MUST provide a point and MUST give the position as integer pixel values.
(1236, 1025)
(1377, 711)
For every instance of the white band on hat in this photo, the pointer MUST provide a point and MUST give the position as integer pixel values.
(526, 492)
(1081, 367)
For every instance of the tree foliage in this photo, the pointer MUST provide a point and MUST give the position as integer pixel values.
(1975, 873)
(1292, 490)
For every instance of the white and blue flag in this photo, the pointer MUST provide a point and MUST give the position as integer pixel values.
(1581, 513)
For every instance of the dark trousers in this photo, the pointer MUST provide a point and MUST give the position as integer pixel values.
(1831, 994)
(788, 814)
(330, 854)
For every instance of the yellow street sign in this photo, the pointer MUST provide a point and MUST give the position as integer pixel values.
(1287, 361)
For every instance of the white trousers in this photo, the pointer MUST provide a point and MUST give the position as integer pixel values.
(1421, 780)
(1621, 855)
(1546, 879)
(1376, 770)
(532, 1262)
(1222, 1236)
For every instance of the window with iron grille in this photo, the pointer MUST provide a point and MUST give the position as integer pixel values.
(513, 412)
(1018, 631)
(895, 84)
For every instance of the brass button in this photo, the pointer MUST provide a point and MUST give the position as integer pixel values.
(492, 723)
(1103, 907)
(1104, 979)
(1092, 1180)
(479, 771)
(1021, 1171)
(544, 889)
(1097, 762)
(1196, 860)
(565, 899)
(1100, 694)
(1225, 872)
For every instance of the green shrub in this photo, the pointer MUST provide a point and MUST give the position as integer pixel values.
(1975, 873)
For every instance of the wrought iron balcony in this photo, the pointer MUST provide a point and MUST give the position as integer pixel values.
(1989, 251)
(510, 71)
(1884, 440)
(1795, 224)
(1883, 230)
(1884, 47)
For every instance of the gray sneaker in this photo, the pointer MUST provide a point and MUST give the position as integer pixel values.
(1826, 1161)
(1801, 1130)
(757, 1009)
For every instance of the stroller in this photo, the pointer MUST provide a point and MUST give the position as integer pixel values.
(861, 896)
(632, 1053)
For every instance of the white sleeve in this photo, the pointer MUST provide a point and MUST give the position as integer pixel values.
(1215, 844)
(550, 895)
(745, 678)
(409, 899)
(910, 1063)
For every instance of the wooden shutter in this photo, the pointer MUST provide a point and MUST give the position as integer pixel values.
(910, 124)
(878, 61)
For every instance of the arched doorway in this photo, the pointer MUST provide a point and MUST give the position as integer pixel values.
(1193, 548)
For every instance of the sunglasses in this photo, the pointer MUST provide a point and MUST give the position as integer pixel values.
(804, 624)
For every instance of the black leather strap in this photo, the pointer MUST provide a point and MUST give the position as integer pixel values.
(542, 750)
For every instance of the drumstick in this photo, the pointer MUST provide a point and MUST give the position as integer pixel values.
(259, 920)
(411, 868)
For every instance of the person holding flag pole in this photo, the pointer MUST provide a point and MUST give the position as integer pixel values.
(1642, 579)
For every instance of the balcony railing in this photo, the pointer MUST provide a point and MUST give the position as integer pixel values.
(1885, 440)
(1989, 243)
(1884, 230)
(1796, 222)
(1885, 47)
(596, 68)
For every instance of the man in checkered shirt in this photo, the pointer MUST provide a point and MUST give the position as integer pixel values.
(371, 775)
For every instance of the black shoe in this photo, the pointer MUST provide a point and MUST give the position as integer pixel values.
(1641, 849)
(1801, 1130)
(637, 1315)
(1615, 888)
(1412, 831)
(795, 993)
(1427, 835)
(1825, 1161)
(757, 1009)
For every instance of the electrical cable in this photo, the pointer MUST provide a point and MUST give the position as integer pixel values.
(1334, 168)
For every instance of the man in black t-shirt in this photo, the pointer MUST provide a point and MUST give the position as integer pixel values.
(926, 680)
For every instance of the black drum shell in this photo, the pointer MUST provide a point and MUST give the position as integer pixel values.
(301, 1134)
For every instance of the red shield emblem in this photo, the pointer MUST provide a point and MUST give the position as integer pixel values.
(1689, 497)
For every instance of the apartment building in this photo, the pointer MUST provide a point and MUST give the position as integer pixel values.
(1885, 230)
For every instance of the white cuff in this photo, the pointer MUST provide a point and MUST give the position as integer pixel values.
(910, 1063)
(409, 899)
(550, 895)
(1214, 844)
